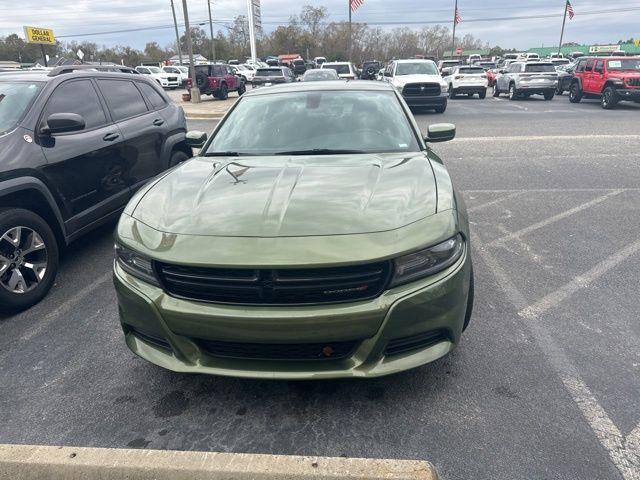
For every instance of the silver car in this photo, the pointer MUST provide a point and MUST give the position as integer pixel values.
(523, 79)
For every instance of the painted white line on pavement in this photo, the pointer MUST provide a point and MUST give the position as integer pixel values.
(66, 306)
(551, 190)
(555, 218)
(493, 202)
(625, 457)
(579, 282)
(537, 138)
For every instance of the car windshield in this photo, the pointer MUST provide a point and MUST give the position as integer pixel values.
(316, 122)
(488, 65)
(627, 64)
(314, 75)
(471, 70)
(269, 72)
(417, 68)
(15, 98)
(183, 69)
(539, 67)
(154, 69)
(340, 69)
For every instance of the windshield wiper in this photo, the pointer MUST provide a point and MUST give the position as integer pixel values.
(224, 154)
(319, 151)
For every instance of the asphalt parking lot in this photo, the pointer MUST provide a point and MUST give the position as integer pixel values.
(545, 385)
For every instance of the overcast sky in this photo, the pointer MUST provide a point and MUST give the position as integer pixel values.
(74, 17)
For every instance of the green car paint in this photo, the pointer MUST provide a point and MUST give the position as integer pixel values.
(283, 212)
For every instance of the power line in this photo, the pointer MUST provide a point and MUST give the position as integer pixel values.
(224, 23)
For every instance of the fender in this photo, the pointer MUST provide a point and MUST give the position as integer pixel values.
(577, 79)
(14, 185)
(170, 142)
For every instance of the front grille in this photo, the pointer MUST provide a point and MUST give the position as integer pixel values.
(633, 82)
(296, 286)
(421, 89)
(267, 351)
(414, 342)
(173, 79)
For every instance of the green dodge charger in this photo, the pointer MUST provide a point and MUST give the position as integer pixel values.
(316, 235)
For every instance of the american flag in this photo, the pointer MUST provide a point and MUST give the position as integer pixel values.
(355, 4)
(458, 18)
(570, 10)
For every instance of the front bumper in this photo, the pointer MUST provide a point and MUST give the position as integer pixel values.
(426, 100)
(629, 93)
(168, 84)
(170, 332)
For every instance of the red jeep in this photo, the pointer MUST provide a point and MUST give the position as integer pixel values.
(611, 79)
(217, 80)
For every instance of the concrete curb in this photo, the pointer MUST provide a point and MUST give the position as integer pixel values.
(205, 116)
(36, 462)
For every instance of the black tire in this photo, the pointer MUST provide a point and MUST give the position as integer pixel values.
(467, 315)
(482, 95)
(496, 90)
(177, 156)
(575, 93)
(223, 93)
(559, 90)
(441, 109)
(452, 92)
(609, 98)
(241, 89)
(202, 81)
(513, 93)
(549, 95)
(11, 218)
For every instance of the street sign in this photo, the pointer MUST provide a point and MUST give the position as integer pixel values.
(604, 48)
(257, 14)
(44, 36)
(458, 51)
(636, 42)
(80, 54)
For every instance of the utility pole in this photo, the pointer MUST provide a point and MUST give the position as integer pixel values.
(175, 24)
(564, 20)
(213, 45)
(349, 39)
(252, 32)
(195, 91)
(455, 21)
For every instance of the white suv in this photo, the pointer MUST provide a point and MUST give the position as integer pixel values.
(181, 72)
(419, 83)
(467, 80)
(166, 80)
(345, 70)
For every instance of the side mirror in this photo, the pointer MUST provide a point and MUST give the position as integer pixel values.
(387, 74)
(440, 132)
(63, 123)
(196, 138)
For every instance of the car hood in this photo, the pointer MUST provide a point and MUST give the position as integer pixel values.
(287, 196)
(405, 79)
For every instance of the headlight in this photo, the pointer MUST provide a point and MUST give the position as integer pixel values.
(444, 87)
(135, 264)
(427, 262)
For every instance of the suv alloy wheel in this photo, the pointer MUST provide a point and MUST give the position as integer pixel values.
(513, 93)
(223, 93)
(575, 94)
(28, 259)
(496, 90)
(609, 98)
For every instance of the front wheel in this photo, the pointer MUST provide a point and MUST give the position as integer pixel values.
(496, 90)
(549, 95)
(28, 259)
(559, 90)
(609, 98)
(441, 108)
(575, 94)
(177, 157)
(223, 93)
(482, 95)
(513, 93)
(241, 90)
(452, 92)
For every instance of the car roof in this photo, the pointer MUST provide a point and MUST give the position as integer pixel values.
(33, 75)
(333, 85)
(413, 60)
(336, 63)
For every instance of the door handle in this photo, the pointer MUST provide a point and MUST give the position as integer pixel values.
(110, 137)
(157, 122)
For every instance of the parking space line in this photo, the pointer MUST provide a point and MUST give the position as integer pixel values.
(555, 218)
(66, 306)
(493, 202)
(552, 190)
(625, 456)
(581, 281)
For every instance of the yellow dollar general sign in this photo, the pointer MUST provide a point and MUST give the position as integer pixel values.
(39, 35)
(636, 42)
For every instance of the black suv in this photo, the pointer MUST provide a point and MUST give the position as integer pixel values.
(74, 146)
(370, 70)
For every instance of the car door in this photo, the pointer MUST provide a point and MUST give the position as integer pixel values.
(143, 128)
(587, 76)
(597, 77)
(85, 168)
(231, 78)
